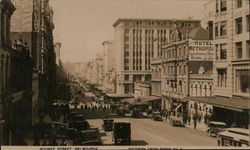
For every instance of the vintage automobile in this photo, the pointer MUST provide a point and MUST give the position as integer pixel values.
(122, 133)
(120, 111)
(60, 130)
(237, 137)
(74, 119)
(215, 127)
(108, 124)
(81, 125)
(136, 113)
(176, 121)
(157, 116)
(88, 137)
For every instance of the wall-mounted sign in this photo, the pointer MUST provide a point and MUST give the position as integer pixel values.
(200, 50)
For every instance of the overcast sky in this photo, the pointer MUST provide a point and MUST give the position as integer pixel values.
(82, 25)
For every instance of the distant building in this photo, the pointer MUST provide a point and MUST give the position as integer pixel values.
(134, 42)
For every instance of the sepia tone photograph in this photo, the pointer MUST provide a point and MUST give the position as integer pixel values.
(124, 74)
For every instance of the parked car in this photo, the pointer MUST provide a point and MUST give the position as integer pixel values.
(157, 116)
(215, 127)
(88, 137)
(122, 133)
(108, 124)
(120, 112)
(136, 113)
(81, 125)
(176, 121)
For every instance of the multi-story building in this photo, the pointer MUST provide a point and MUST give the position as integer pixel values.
(33, 20)
(187, 65)
(228, 23)
(157, 67)
(135, 43)
(21, 69)
(6, 11)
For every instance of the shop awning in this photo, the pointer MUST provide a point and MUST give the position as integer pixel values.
(128, 100)
(235, 103)
(118, 95)
(149, 98)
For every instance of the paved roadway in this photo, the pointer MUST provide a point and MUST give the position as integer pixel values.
(149, 132)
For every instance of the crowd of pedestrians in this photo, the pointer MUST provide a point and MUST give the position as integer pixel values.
(91, 106)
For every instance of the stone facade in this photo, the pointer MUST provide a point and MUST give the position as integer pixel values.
(6, 11)
(137, 41)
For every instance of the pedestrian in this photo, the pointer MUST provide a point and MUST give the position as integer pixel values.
(36, 142)
(44, 143)
(64, 143)
(54, 143)
(195, 121)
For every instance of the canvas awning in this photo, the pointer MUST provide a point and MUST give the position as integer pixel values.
(235, 103)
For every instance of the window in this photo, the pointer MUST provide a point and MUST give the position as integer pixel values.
(126, 77)
(126, 88)
(223, 51)
(238, 25)
(248, 49)
(222, 77)
(216, 30)
(217, 54)
(223, 5)
(242, 81)
(217, 6)
(238, 47)
(248, 23)
(239, 3)
(223, 28)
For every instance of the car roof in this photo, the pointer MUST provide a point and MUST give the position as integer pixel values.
(217, 123)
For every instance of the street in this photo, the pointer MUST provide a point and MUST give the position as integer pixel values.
(149, 132)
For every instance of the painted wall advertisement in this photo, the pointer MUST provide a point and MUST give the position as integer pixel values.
(200, 50)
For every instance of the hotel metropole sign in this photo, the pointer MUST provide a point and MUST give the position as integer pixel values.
(200, 50)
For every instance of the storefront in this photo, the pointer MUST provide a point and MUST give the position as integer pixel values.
(232, 111)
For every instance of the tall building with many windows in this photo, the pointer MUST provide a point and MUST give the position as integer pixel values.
(229, 22)
(136, 41)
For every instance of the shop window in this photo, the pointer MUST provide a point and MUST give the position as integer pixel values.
(222, 77)
(238, 48)
(223, 52)
(239, 3)
(223, 28)
(242, 82)
(238, 25)
(223, 5)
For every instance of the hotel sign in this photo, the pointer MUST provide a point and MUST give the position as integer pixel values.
(200, 50)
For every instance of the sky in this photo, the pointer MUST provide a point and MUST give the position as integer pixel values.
(82, 25)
